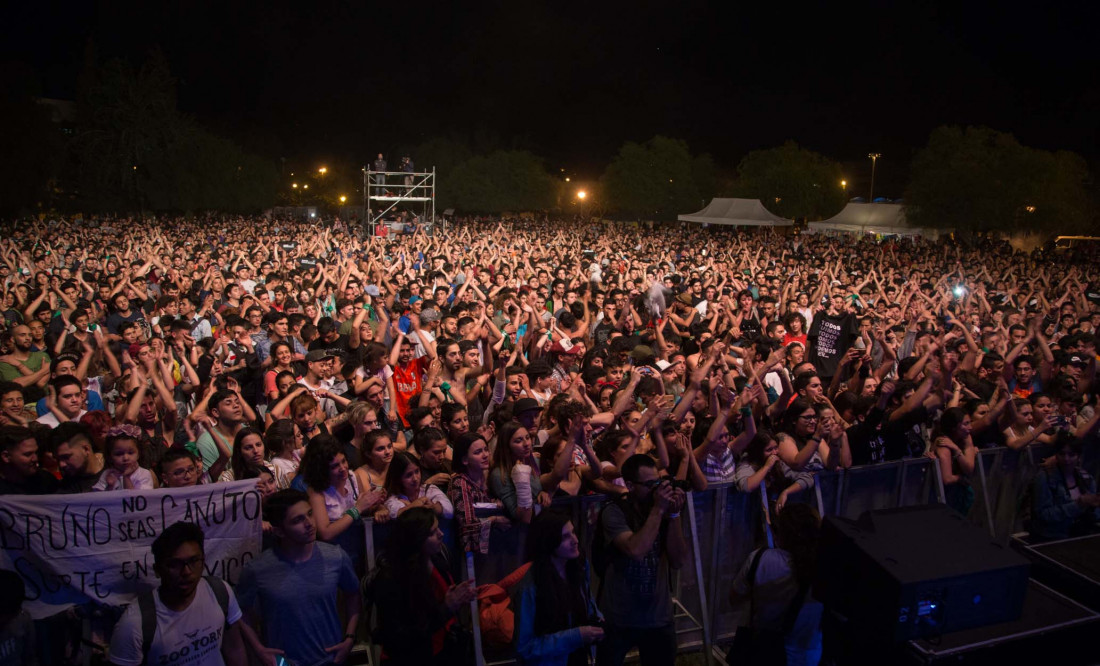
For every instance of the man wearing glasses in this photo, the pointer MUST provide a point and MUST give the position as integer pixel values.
(643, 534)
(190, 618)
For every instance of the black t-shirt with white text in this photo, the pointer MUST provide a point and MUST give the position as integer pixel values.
(829, 338)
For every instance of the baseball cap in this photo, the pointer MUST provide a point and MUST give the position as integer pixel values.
(663, 365)
(1078, 359)
(319, 355)
(429, 315)
(68, 356)
(557, 348)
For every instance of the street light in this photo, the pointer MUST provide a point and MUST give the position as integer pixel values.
(581, 194)
(294, 185)
(343, 198)
(322, 171)
(874, 158)
(305, 187)
(844, 184)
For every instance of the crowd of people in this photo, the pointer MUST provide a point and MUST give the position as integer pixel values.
(476, 374)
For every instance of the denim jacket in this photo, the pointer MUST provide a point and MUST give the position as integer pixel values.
(547, 649)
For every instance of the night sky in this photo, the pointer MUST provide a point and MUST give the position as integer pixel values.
(317, 81)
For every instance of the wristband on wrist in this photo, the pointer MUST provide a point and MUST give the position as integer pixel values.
(353, 512)
(347, 636)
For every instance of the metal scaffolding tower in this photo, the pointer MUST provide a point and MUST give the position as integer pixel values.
(386, 194)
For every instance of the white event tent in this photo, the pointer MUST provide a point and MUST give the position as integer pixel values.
(739, 212)
(872, 218)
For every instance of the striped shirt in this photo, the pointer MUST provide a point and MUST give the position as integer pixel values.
(721, 468)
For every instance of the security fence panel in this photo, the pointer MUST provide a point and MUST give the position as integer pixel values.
(689, 590)
(826, 491)
(918, 482)
(869, 488)
(980, 513)
(1009, 476)
(740, 531)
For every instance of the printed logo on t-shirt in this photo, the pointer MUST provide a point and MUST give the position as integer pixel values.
(194, 648)
(9, 647)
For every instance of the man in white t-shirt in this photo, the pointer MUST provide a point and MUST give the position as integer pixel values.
(192, 626)
(318, 362)
(244, 278)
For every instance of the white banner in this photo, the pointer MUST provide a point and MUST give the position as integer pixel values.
(72, 549)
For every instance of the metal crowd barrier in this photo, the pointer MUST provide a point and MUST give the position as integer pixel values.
(723, 526)
(850, 492)
(1001, 480)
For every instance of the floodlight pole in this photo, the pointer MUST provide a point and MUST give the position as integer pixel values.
(874, 158)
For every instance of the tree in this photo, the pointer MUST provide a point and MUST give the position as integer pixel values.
(657, 180)
(134, 149)
(125, 119)
(204, 171)
(443, 153)
(979, 179)
(505, 180)
(446, 154)
(792, 182)
(1063, 194)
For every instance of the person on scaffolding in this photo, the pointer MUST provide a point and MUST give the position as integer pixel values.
(409, 168)
(379, 167)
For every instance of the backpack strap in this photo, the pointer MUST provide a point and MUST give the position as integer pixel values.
(221, 593)
(147, 607)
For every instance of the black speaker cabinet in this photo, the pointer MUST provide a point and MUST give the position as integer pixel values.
(916, 572)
